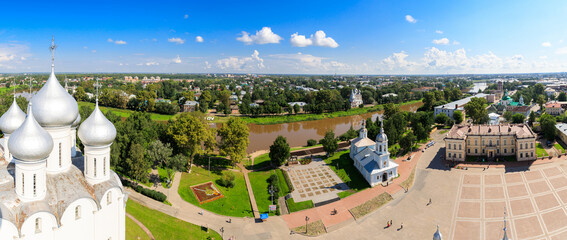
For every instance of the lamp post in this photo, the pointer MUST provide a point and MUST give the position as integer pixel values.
(306, 220)
(272, 193)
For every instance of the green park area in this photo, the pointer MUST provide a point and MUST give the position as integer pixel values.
(343, 166)
(540, 151)
(162, 226)
(235, 202)
(559, 148)
(298, 206)
(260, 185)
(124, 113)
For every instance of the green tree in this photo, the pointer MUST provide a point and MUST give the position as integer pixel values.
(428, 101)
(476, 110)
(137, 165)
(234, 139)
(407, 141)
(329, 142)
(518, 118)
(80, 94)
(508, 115)
(279, 151)
(188, 133)
(390, 109)
(562, 97)
(458, 117)
(531, 118)
(296, 109)
(538, 89)
(161, 154)
(540, 100)
(548, 126)
(441, 118)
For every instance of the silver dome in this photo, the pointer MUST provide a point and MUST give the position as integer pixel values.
(97, 130)
(381, 137)
(437, 235)
(76, 122)
(12, 119)
(53, 106)
(30, 142)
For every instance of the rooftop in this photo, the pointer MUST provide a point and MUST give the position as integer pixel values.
(461, 102)
(518, 130)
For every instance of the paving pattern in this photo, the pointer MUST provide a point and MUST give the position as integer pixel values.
(535, 203)
(315, 181)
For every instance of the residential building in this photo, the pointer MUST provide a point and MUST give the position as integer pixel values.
(490, 142)
(449, 108)
(562, 131)
(553, 108)
(190, 106)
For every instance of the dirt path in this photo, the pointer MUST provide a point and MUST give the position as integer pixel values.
(250, 191)
(141, 225)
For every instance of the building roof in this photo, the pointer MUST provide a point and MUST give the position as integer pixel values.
(518, 130)
(371, 166)
(553, 104)
(562, 127)
(362, 142)
(461, 102)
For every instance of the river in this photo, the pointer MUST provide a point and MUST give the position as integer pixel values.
(297, 133)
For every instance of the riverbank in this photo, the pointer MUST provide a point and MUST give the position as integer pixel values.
(279, 119)
(125, 113)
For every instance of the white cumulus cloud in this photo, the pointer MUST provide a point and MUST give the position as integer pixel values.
(307, 63)
(546, 44)
(199, 39)
(439, 31)
(177, 60)
(442, 41)
(253, 62)
(176, 40)
(561, 51)
(264, 36)
(317, 39)
(410, 19)
(186, 16)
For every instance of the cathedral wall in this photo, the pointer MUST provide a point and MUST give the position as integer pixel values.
(60, 158)
(77, 222)
(7, 229)
(110, 219)
(39, 226)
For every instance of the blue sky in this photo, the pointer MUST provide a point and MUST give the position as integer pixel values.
(307, 37)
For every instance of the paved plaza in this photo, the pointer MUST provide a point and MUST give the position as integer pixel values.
(535, 203)
(315, 181)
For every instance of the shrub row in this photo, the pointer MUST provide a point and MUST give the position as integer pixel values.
(158, 196)
(287, 180)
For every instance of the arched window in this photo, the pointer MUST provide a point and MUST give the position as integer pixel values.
(454, 146)
(77, 212)
(460, 147)
(95, 167)
(526, 145)
(109, 198)
(34, 188)
(37, 225)
(380, 148)
(23, 185)
(532, 145)
(59, 154)
(104, 166)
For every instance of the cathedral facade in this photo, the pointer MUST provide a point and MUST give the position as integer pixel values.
(48, 188)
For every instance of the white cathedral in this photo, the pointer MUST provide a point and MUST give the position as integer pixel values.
(48, 189)
(372, 159)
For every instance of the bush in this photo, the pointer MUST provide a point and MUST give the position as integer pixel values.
(287, 180)
(159, 196)
(311, 142)
(273, 182)
(305, 161)
(227, 179)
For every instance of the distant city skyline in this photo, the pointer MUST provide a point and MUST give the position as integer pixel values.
(289, 37)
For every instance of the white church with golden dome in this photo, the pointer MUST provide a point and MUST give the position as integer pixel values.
(49, 189)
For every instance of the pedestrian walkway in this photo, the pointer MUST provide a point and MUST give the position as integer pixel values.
(141, 225)
(250, 191)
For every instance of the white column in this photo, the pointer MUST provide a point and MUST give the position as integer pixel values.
(73, 141)
(97, 163)
(30, 180)
(60, 158)
(7, 154)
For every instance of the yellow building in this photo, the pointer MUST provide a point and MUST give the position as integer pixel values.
(490, 142)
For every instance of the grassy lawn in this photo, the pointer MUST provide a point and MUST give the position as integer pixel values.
(163, 176)
(540, 151)
(443, 131)
(164, 226)
(126, 112)
(559, 148)
(409, 181)
(262, 161)
(343, 166)
(134, 232)
(298, 206)
(259, 182)
(282, 183)
(313, 228)
(371, 205)
(235, 202)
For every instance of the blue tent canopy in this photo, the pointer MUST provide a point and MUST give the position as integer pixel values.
(264, 216)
